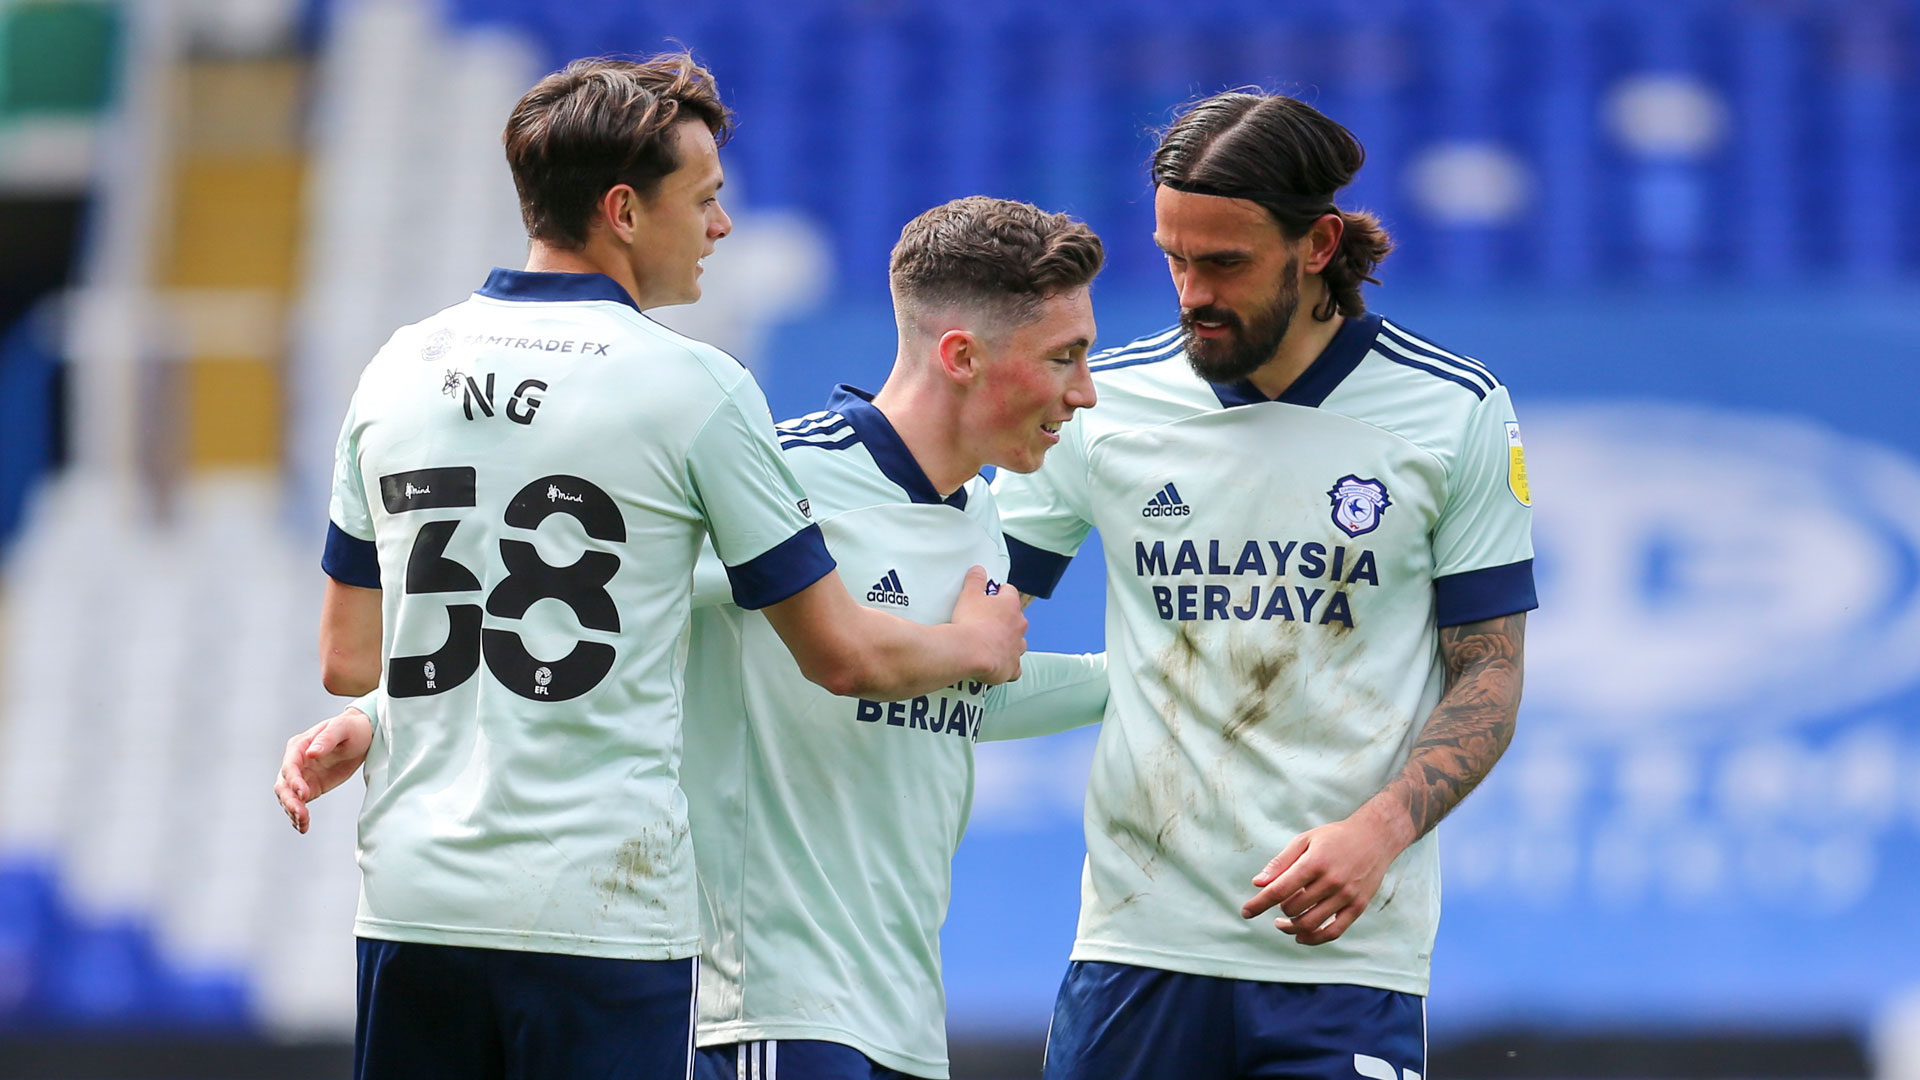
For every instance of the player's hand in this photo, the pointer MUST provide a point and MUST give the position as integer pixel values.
(996, 622)
(320, 759)
(1326, 877)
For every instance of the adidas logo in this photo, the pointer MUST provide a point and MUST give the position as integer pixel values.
(888, 590)
(1166, 503)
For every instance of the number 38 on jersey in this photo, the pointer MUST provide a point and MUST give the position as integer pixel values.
(582, 586)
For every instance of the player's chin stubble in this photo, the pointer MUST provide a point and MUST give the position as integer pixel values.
(1247, 345)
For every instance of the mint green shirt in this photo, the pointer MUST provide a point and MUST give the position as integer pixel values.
(1277, 572)
(534, 472)
(825, 827)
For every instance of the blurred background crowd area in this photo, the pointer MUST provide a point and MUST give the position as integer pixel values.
(1685, 232)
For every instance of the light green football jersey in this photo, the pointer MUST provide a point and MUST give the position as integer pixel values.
(1276, 572)
(825, 826)
(528, 476)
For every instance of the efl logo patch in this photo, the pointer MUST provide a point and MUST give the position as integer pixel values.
(1358, 504)
(1517, 466)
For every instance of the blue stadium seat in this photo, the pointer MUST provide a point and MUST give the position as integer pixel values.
(845, 117)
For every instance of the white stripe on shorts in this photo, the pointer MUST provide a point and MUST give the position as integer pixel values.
(693, 1016)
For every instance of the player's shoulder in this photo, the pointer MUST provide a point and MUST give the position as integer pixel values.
(1145, 382)
(1416, 388)
(825, 430)
(1143, 357)
(425, 340)
(415, 345)
(980, 491)
(980, 504)
(669, 358)
(1421, 362)
(667, 340)
(824, 451)
(664, 355)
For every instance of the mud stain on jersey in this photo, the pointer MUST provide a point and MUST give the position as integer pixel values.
(1390, 732)
(1166, 803)
(1175, 670)
(1263, 672)
(1251, 709)
(1267, 663)
(1340, 628)
(1185, 652)
(641, 861)
(1259, 673)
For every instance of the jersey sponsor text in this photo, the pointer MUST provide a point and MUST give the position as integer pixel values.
(931, 713)
(1271, 560)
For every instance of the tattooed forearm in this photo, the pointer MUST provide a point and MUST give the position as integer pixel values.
(1473, 723)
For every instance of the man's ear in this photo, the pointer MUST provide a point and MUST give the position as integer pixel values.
(959, 353)
(1323, 240)
(619, 211)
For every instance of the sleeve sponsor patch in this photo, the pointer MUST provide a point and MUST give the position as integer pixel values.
(1517, 466)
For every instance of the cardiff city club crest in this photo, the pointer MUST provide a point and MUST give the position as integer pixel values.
(437, 346)
(1358, 504)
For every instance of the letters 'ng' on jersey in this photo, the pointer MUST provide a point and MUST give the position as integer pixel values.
(825, 826)
(1276, 571)
(527, 477)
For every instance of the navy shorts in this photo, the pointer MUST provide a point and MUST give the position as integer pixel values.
(1120, 1022)
(789, 1059)
(433, 1011)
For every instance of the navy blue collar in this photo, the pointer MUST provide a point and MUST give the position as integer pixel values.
(1328, 370)
(544, 286)
(889, 452)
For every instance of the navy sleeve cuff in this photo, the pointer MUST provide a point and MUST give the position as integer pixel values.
(1034, 571)
(350, 560)
(1484, 594)
(781, 570)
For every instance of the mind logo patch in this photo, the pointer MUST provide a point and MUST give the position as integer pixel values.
(1358, 504)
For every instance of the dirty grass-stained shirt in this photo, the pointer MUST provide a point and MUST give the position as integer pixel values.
(825, 826)
(1276, 574)
(528, 477)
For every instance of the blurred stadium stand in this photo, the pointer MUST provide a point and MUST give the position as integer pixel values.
(1515, 140)
(1686, 231)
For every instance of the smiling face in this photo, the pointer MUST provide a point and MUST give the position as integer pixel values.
(1032, 379)
(680, 222)
(1238, 277)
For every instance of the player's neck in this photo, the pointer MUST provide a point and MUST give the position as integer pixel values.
(591, 259)
(1307, 337)
(925, 416)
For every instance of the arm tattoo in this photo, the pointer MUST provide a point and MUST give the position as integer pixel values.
(1473, 723)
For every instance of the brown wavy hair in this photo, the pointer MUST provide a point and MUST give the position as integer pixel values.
(1290, 158)
(1006, 255)
(597, 123)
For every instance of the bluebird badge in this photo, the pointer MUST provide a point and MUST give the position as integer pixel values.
(1358, 504)
(437, 346)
